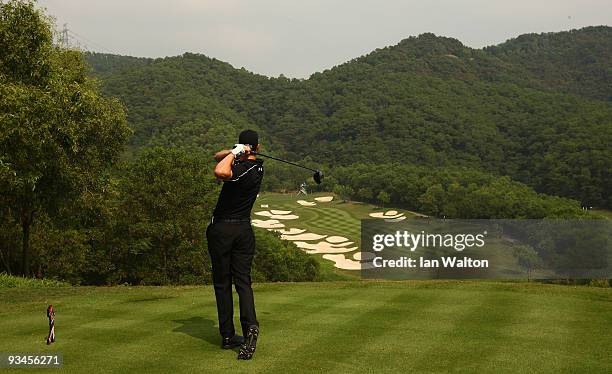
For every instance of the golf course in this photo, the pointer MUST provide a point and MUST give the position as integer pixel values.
(334, 218)
(293, 187)
(345, 327)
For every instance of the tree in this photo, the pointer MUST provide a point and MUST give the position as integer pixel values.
(166, 202)
(365, 194)
(344, 192)
(58, 135)
(527, 257)
(432, 200)
(384, 198)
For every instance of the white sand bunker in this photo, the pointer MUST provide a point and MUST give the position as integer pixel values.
(291, 231)
(270, 214)
(264, 205)
(324, 199)
(336, 239)
(364, 256)
(306, 203)
(391, 214)
(338, 245)
(400, 218)
(267, 224)
(342, 262)
(322, 247)
(280, 211)
(305, 236)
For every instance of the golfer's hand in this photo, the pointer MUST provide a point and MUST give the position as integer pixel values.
(241, 149)
(238, 150)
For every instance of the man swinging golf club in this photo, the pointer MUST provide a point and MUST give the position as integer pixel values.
(231, 242)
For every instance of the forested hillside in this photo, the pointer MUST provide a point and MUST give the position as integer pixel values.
(536, 108)
(577, 61)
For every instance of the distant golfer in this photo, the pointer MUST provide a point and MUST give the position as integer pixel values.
(231, 242)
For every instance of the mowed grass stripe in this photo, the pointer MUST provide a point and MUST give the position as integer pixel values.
(410, 333)
(337, 345)
(578, 317)
(310, 307)
(539, 343)
(468, 341)
(390, 337)
(332, 328)
(431, 326)
(113, 329)
(117, 342)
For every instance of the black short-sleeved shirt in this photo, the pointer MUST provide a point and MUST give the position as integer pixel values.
(239, 193)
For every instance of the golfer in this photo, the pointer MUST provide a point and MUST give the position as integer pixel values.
(231, 242)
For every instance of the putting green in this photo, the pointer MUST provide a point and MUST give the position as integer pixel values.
(345, 327)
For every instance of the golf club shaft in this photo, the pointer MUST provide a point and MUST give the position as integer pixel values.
(287, 162)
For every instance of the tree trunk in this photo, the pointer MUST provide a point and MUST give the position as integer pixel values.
(6, 261)
(164, 251)
(26, 222)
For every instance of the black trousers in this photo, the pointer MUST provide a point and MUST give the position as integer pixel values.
(232, 247)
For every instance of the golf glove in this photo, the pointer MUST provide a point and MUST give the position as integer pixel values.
(238, 150)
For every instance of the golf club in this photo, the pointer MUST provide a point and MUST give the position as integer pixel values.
(317, 176)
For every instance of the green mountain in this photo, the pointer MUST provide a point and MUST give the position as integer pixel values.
(576, 61)
(536, 108)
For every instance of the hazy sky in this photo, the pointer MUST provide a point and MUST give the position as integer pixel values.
(300, 37)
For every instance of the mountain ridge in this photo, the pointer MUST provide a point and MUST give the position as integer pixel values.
(439, 101)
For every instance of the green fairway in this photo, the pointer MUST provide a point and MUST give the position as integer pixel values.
(344, 219)
(326, 218)
(331, 218)
(322, 327)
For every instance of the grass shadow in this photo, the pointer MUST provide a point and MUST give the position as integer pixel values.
(200, 328)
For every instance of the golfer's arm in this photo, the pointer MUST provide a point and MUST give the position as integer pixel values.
(221, 154)
(223, 170)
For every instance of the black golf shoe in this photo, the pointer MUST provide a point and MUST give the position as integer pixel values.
(247, 350)
(233, 342)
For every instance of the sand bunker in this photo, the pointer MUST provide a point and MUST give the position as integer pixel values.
(400, 218)
(345, 244)
(280, 211)
(305, 236)
(336, 239)
(306, 203)
(264, 205)
(342, 262)
(267, 224)
(284, 216)
(364, 256)
(265, 213)
(322, 247)
(292, 231)
(390, 214)
(324, 199)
